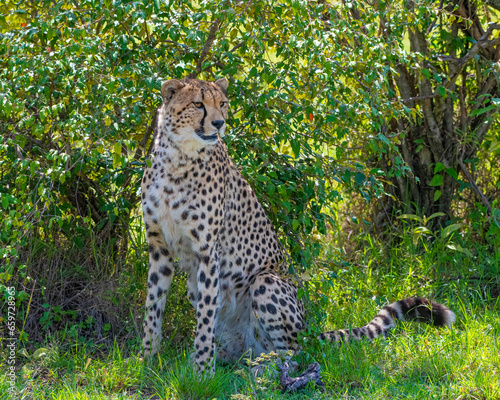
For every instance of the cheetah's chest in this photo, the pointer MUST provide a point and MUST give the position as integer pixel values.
(166, 205)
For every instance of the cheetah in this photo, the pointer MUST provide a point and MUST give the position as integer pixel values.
(198, 208)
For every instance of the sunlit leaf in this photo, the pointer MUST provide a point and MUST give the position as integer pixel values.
(450, 229)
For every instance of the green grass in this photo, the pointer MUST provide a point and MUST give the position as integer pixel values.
(415, 362)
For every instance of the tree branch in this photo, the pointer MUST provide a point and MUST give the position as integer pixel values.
(483, 43)
(475, 187)
(493, 4)
(141, 150)
(206, 48)
(460, 64)
(147, 134)
(468, 20)
(418, 44)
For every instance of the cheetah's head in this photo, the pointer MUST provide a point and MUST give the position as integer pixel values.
(194, 111)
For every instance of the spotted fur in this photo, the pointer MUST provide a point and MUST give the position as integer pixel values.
(198, 208)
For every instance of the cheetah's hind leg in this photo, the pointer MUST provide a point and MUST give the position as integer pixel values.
(279, 319)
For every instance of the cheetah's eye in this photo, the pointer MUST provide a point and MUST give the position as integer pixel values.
(223, 103)
(198, 104)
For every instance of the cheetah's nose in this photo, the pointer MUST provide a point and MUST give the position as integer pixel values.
(218, 124)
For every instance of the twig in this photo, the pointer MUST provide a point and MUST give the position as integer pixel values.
(416, 98)
(246, 8)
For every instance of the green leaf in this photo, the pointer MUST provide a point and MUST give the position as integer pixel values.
(411, 216)
(117, 154)
(422, 229)
(437, 195)
(253, 72)
(435, 215)
(40, 353)
(33, 166)
(442, 91)
(439, 167)
(437, 180)
(295, 224)
(452, 172)
(480, 111)
(450, 229)
(359, 178)
(460, 249)
(295, 147)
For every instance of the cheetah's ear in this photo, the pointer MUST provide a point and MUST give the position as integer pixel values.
(168, 88)
(223, 84)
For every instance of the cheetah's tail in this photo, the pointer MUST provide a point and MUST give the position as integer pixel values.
(410, 309)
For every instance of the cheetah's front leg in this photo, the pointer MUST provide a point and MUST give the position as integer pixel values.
(206, 310)
(161, 268)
